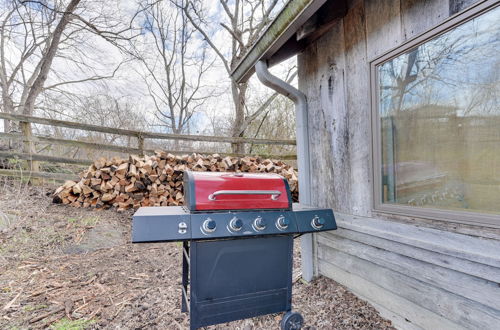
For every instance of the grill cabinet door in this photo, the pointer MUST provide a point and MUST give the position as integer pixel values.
(235, 279)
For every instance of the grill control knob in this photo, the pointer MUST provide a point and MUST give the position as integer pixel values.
(317, 222)
(259, 224)
(209, 225)
(282, 223)
(235, 224)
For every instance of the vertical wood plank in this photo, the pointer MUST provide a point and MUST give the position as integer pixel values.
(418, 16)
(383, 26)
(459, 5)
(322, 76)
(358, 108)
(332, 119)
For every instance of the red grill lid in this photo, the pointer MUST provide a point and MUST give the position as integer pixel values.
(212, 191)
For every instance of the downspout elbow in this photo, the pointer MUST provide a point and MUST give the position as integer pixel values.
(282, 87)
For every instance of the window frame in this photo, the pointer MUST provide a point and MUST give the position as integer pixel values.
(378, 206)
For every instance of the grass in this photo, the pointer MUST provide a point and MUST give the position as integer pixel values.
(30, 308)
(72, 220)
(90, 221)
(66, 324)
(84, 222)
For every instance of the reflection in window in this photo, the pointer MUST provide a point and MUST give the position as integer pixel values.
(439, 107)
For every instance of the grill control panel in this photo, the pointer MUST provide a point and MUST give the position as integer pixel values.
(176, 224)
(231, 224)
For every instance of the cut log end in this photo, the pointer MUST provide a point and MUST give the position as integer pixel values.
(155, 180)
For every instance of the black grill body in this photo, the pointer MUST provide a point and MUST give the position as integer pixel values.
(236, 263)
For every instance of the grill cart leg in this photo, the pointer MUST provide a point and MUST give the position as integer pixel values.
(185, 276)
(292, 321)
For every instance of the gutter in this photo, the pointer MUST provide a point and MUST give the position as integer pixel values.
(303, 157)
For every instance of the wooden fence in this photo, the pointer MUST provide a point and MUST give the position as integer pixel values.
(33, 158)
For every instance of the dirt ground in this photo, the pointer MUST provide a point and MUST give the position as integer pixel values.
(67, 268)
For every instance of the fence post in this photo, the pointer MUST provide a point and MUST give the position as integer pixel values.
(29, 146)
(140, 144)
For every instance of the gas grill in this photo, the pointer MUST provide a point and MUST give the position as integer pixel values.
(237, 232)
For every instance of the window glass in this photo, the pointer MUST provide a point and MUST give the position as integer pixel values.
(439, 112)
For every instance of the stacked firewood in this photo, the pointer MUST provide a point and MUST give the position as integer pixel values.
(155, 180)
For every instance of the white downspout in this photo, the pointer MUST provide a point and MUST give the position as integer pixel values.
(303, 157)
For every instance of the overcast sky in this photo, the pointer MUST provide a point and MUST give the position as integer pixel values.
(102, 58)
(129, 81)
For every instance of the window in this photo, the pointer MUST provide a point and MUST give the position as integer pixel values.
(437, 123)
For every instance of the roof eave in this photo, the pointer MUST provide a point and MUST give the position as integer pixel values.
(289, 20)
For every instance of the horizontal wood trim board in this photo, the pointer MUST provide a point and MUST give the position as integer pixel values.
(109, 147)
(392, 303)
(451, 306)
(148, 135)
(43, 175)
(475, 249)
(461, 265)
(43, 158)
(471, 287)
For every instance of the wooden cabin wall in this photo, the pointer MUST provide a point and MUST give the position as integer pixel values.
(419, 273)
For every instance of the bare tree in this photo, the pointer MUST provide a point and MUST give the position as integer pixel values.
(33, 35)
(246, 20)
(43, 46)
(174, 64)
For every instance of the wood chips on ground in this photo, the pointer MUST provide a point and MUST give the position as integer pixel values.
(57, 263)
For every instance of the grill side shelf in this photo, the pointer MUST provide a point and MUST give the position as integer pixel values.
(161, 224)
(306, 219)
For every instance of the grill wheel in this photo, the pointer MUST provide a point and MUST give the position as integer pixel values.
(292, 321)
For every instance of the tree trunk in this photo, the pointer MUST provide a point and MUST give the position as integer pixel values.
(29, 147)
(8, 107)
(6, 129)
(239, 96)
(37, 86)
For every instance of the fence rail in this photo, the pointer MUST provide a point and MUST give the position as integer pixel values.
(28, 139)
(39, 175)
(140, 134)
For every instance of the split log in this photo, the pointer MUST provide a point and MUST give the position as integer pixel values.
(156, 180)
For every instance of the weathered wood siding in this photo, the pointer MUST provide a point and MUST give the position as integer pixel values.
(420, 274)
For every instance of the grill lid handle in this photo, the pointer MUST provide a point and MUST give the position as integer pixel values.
(275, 194)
